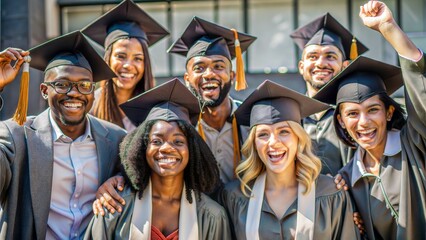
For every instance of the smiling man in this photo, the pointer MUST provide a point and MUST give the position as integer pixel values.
(209, 49)
(326, 50)
(51, 167)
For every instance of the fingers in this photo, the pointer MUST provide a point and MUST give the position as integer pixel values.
(120, 184)
(359, 222)
(13, 54)
(97, 208)
(339, 181)
(109, 204)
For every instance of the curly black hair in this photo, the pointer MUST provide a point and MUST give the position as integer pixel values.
(397, 121)
(200, 175)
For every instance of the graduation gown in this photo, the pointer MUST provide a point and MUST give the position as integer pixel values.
(333, 153)
(333, 214)
(402, 172)
(212, 220)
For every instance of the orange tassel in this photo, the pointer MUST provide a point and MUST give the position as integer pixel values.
(240, 83)
(236, 142)
(20, 115)
(354, 50)
(200, 127)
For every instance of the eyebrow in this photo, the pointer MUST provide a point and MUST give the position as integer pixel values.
(157, 134)
(203, 62)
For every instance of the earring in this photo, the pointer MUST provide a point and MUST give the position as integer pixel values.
(45, 96)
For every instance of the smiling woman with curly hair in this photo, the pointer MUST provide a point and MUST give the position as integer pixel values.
(168, 167)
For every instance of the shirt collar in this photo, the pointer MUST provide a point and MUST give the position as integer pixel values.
(58, 135)
(393, 147)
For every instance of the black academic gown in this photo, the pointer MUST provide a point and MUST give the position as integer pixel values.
(403, 174)
(327, 146)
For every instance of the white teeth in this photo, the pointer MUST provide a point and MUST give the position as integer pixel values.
(167, 160)
(322, 73)
(276, 153)
(127, 75)
(211, 85)
(73, 105)
(366, 131)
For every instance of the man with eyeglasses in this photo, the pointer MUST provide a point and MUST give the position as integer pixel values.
(51, 167)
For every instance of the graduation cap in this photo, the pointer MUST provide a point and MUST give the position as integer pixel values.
(204, 38)
(362, 79)
(169, 102)
(272, 103)
(126, 20)
(326, 30)
(69, 49)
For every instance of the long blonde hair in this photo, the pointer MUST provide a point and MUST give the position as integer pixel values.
(308, 166)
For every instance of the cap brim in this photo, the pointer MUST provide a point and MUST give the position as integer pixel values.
(138, 108)
(199, 28)
(270, 90)
(71, 42)
(390, 74)
(125, 11)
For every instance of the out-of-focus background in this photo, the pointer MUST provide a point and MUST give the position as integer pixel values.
(26, 23)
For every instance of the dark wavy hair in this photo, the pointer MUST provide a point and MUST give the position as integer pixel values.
(398, 120)
(106, 107)
(200, 175)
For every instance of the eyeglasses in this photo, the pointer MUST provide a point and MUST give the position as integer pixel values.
(64, 87)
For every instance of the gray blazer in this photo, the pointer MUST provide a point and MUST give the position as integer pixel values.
(26, 168)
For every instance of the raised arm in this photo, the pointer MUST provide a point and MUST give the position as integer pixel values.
(377, 16)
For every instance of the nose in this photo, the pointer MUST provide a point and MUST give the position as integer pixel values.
(127, 63)
(208, 73)
(74, 91)
(363, 119)
(166, 147)
(321, 61)
(273, 140)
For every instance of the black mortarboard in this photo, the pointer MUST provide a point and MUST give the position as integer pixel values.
(70, 49)
(326, 30)
(125, 20)
(362, 79)
(169, 102)
(271, 103)
(202, 37)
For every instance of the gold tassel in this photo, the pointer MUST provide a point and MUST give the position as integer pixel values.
(236, 142)
(200, 127)
(354, 50)
(240, 83)
(20, 115)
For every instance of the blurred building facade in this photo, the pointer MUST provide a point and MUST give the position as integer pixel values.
(25, 23)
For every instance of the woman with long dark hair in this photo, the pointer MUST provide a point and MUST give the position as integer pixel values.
(168, 168)
(126, 32)
(386, 176)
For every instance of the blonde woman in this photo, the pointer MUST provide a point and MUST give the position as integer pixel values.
(280, 194)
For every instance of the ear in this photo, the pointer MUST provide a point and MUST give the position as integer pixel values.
(232, 76)
(389, 113)
(345, 64)
(186, 78)
(300, 66)
(341, 123)
(44, 90)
